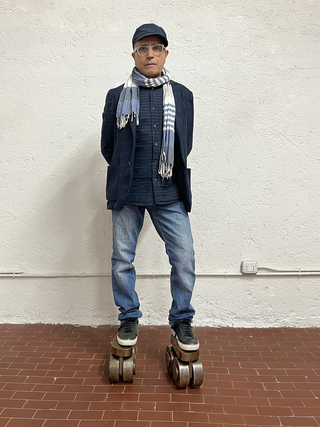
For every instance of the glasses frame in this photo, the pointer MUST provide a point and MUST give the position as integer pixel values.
(150, 47)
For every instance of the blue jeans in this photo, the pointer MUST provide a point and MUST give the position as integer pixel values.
(173, 226)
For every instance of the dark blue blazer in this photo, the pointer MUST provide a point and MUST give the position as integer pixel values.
(118, 147)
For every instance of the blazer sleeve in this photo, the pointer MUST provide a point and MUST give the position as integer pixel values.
(190, 121)
(108, 126)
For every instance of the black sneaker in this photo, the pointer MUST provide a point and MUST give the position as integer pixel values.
(187, 340)
(128, 332)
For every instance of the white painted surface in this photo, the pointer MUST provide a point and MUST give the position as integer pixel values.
(254, 69)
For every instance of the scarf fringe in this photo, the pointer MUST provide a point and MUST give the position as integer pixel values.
(165, 168)
(123, 120)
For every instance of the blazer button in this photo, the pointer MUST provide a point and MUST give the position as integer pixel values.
(129, 163)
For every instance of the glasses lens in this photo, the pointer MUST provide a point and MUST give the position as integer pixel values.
(157, 49)
(143, 50)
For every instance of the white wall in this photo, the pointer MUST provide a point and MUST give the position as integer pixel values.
(254, 68)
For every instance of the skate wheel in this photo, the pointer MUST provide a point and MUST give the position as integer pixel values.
(114, 369)
(169, 359)
(180, 373)
(197, 374)
(128, 368)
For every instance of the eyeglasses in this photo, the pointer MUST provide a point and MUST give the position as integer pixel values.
(157, 49)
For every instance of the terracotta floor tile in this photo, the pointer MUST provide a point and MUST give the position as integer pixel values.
(172, 423)
(153, 397)
(29, 395)
(241, 410)
(11, 403)
(24, 423)
(298, 421)
(88, 423)
(311, 402)
(187, 398)
(57, 376)
(42, 404)
(18, 413)
(139, 406)
(155, 416)
(17, 387)
(123, 397)
(173, 407)
(60, 396)
(53, 388)
(206, 407)
(311, 411)
(121, 415)
(278, 411)
(213, 424)
(190, 417)
(85, 415)
(56, 414)
(60, 423)
(218, 400)
(122, 423)
(262, 420)
(226, 419)
(98, 406)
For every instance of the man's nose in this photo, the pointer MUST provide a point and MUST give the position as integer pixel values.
(150, 52)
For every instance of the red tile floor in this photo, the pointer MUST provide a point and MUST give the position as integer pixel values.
(57, 376)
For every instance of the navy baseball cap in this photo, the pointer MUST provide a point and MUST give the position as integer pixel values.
(149, 30)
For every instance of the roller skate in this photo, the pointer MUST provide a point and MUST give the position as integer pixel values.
(182, 357)
(122, 364)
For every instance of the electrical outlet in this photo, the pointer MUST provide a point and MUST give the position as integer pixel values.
(249, 267)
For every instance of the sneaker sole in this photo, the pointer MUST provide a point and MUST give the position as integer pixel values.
(127, 343)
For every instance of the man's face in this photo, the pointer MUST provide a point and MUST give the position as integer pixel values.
(150, 65)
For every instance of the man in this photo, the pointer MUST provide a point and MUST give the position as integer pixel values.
(146, 138)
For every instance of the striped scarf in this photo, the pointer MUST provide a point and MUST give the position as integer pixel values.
(128, 106)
